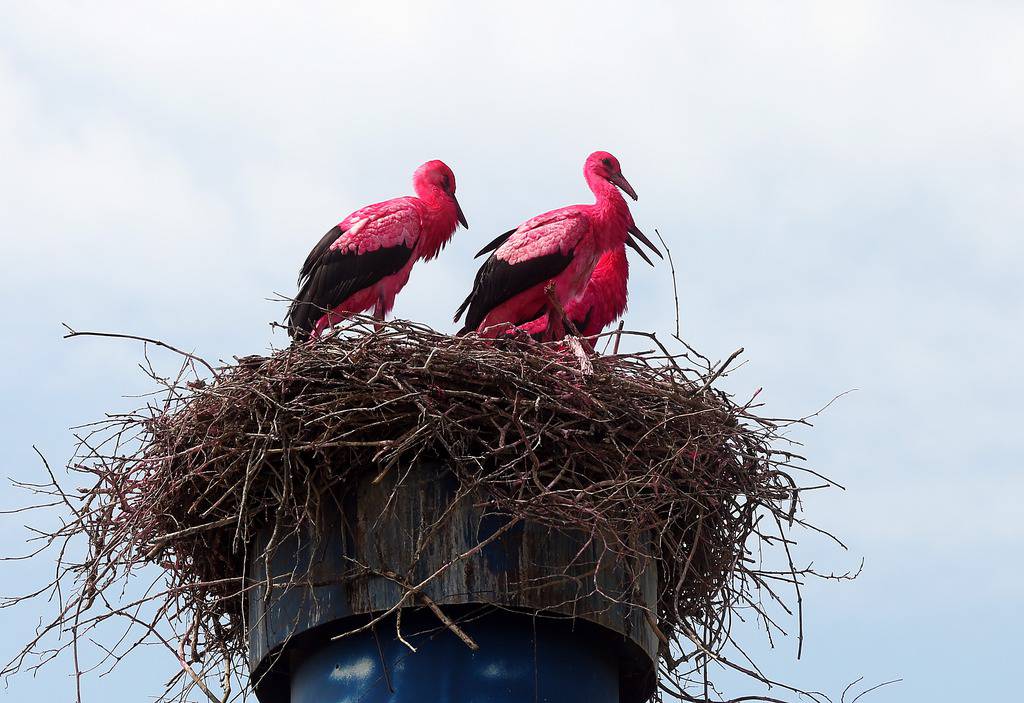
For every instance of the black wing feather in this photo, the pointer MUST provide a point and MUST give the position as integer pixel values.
(328, 278)
(496, 242)
(498, 281)
(317, 252)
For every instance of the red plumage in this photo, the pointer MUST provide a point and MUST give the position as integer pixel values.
(365, 260)
(602, 302)
(560, 249)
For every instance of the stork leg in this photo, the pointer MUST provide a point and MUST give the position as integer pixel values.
(555, 329)
(318, 328)
(378, 314)
(556, 316)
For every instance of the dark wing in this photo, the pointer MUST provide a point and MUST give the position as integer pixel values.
(498, 281)
(318, 251)
(329, 277)
(497, 242)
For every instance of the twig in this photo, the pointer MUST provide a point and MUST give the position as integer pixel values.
(156, 342)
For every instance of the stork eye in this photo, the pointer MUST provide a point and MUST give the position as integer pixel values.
(445, 182)
(607, 163)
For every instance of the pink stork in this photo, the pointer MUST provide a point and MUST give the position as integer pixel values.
(364, 261)
(602, 302)
(559, 248)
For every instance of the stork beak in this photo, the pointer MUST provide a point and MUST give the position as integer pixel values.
(634, 231)
(636, 247)
(458, 209)
(620, 181)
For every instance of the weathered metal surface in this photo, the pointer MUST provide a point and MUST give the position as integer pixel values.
(519, 660)
(528, 568)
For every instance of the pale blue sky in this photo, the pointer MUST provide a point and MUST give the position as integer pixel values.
(841, 184)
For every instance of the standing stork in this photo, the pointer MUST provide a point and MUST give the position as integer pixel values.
(364, 261)
(559, 248)
(602, 302)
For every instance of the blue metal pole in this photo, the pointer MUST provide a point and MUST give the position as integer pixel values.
(521, 659)
(534, 600)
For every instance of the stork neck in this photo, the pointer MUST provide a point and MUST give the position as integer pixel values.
(610, 211)
(439, 220)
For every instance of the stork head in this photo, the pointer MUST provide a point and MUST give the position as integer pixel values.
(604, 165)
(435, 176)
(601, 164)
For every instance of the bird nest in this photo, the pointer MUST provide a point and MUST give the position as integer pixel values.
(630, 449)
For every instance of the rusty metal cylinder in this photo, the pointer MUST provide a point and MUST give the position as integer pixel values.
(539, 600)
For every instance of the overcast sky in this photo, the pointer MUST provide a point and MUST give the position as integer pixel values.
(841, 185)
